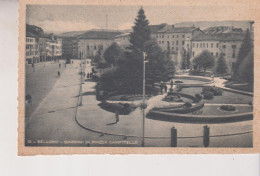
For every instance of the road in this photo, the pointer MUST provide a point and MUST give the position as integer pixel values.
(53, 122)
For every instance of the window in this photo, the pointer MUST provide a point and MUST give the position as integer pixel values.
(224, 46)
(207, 45)
(234, 46)
(183, 36)
(216, 54)
(177, 36)
(162, 36)
(176, 48)
(217, 45)
(172, 36)
(197, 45)
(162, 42)
(95, 47)
(183, 42)
(203, 45)
(200, 45)
(224, 54)
(211, 45)
(177, 42)
(211, 54)
(156, 36)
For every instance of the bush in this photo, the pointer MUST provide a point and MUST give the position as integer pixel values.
(178, 81)
(208, 96)
(215, 90)
(188, 104)
(198, 96)
(227, 108)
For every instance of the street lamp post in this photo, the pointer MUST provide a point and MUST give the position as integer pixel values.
(143, 106)
(81, 72)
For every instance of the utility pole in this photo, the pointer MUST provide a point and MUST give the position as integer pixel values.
(81, 74)
(106, 22)
(143, 106)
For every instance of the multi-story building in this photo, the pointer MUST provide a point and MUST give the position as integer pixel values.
(70, 47)
(227, 44)
(32, 54)
(123, 40)
(93, 41)
(41, 47)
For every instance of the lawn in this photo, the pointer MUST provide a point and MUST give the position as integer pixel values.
(226, 98)
(215, 110)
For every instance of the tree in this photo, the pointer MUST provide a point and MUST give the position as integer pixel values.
(246, 69)
(184, 60)
(128, 77)
(204, 60)
(99, 59)
(245, 48)
(188, 59)
(221, 65)
(114, 55)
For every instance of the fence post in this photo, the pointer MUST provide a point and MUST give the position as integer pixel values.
(206, 136)
(173, 137)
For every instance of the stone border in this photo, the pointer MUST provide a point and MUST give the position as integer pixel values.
(175, 117)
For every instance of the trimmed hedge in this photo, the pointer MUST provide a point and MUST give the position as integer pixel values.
(227, 108)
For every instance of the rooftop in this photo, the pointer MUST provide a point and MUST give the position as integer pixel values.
(99, 34)
(222, 29)
(220, 37)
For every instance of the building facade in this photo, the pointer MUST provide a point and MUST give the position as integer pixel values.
(227, 44)
(93, 41)
(32, 54)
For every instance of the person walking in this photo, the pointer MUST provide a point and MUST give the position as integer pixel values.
(165, 88)
(161, 87)
(58, 73)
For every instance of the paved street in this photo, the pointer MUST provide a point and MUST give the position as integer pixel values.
(55, 120)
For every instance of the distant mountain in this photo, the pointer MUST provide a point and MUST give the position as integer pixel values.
(71, 34)
(206, 24)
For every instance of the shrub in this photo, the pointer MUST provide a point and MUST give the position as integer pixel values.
(215, 90)
(218, 92)
(198, 96)
(227, 108)
(208, 96)
(178, 81)
(188, 104)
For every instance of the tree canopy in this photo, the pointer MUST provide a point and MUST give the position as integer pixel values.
(246, 68)
(204, 60)
(245, 48)
(114, 55)
(221, 65)
(128, 76)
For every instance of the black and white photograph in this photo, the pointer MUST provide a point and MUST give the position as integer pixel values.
(137, 76)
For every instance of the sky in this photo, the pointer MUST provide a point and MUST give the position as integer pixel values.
(64, 18)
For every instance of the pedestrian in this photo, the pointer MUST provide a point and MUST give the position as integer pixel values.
(165, 88)
(59, 65)
(161, 87)
(65, 65)
(59, 73)
(88, 75)
(117, 117)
